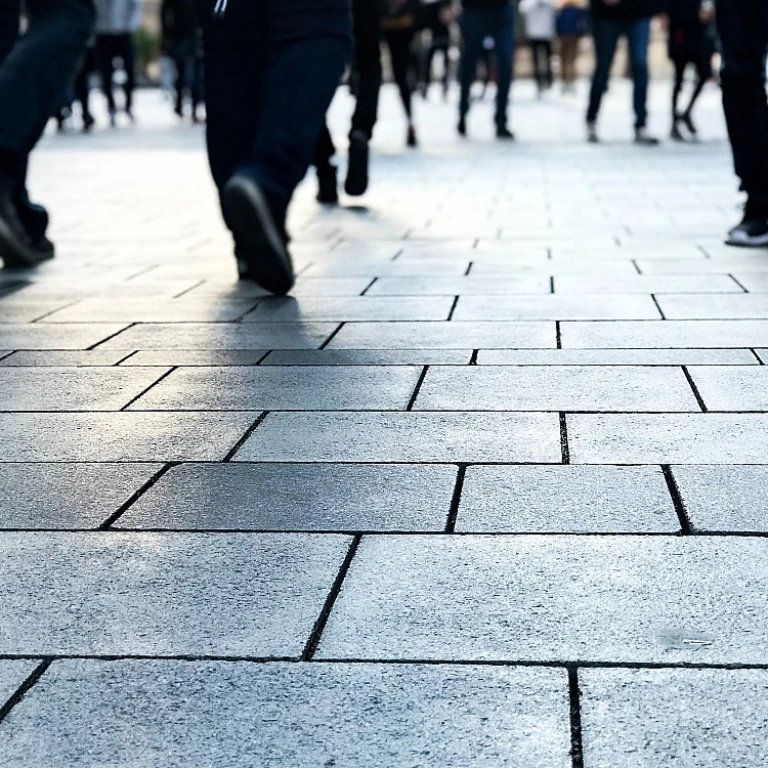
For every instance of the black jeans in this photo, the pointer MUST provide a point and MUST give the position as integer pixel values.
(399, 43)
(35, 72)
(189, 72)
(271, 70)
(743, 28)
(366, 18)
(541, 53)
(109, 48)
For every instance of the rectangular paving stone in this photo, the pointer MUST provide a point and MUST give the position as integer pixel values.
(352, 309)
(60, 358)
(531, 388)
(297, 497)
(709, 307)
(665, 333)
(756, 282)
(722, 498)
(15, 309)
(453, 335)
(41, 336)
(73, 389)
(733, 389)
(405, 438)
(692, 438)
(722, 266)
(499, 268)
(597, 284)
(158, 595)
(152, 311)
(13, 672)
(458, 286)
(208, 336)
(50, 496)
(118, 437)
(196, 357)
(554, 307)
(352, 268)
(315, 388)
(240, 715)
(566, 499)
(645, 357)
(373, 357)
(627, 599)
(338, 286)
(697, 718)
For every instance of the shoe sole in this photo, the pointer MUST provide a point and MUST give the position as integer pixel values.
(262, 248)
(752, 242)
(17, 256)
(356, 183)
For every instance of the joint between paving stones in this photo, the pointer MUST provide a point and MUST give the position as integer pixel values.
(453, 308)
(331, 337)
(469, 268)
(123, 508)
(564, 448)
(249, 311)
(24, 688)
(739, 283)
(248, 432)
(147, 389)
(458, 489)
(658, 306)
(759, 359)
(574, 694)
(190, 289)
(695, 390)
(317, 631)
(417, 389)
(369, 286)
(110, 337)
(677, 500)
(263, 358)
(127, 357)
(558, 336)
(473, 357)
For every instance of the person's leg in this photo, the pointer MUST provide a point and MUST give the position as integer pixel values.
(677, 88)
(504, 36)
(83, 89)
(549, 75)
(327, 192)
(703, 75)
(181, 62)
(105, 54)
(128, 55)
(367, 53)
(743, 28)
(569, 49)
(538, 74)
(472, 34)
(606, 37)
(399, 43)
(639, 38)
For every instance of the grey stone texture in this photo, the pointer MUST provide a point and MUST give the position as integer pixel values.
(297, 497)
(54, 359)
(71, 336)
(616, 307)
(13, 672)
(171, 714)
(66, 496)
(566, 499)
(353, 308)
(646, 357)
(458, 286)
(639, 600)
(196, 357)
(697, 718)
(372, 357)
(733, 389)
(152, 595)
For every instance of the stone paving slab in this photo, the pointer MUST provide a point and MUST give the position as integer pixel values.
(238, 715)
(27, 311)
(706, 438)
(71, 336)
(405, 438)
(743, 305)
(530, 388)
(387, 357)
(148, 594)
(275, 497)
(734, 389)
(195, 357)
(66, 496)
(640, 600)
(65, 359)
(387, 308)
(722, 498)
(645, 357)
(305, 287)
(428, 335)
(646, 284)
(697, 718)
(458, 286)
(13, 672)
(566, 499)
(73, 389)
(201, 336)
(314, 388)
(119, 437)
(554, 307)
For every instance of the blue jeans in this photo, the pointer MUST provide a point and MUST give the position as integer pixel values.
(606, 34)
(35, 71)
(476, 25)
(271, 70)
(743, 28)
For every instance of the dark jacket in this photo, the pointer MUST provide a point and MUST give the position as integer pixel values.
(179, 20)
(626, 10)
(485, 3)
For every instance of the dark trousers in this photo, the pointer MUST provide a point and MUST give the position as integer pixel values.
(83, 82)
(271, 69)
(108, 49)
(366, 19)
(541, 52)
(399, 42)
(743, 27)
(35, 72)
(437, 45)
(606, 34)
(476, 25)
(189, 72)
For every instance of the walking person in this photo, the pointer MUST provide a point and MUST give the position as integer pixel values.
(116, 23)
(481, 19)
(572, 24)
(612, 19)
(82, 90)
(271, 70)
(182, 41)
(540, 30)
(690, 42)
(399, 25)
(743, 29)
(437, 19)
(36, 70)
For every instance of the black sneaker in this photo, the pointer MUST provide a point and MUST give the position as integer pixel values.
(676, 134)
(327, 186)
(17, 249)
(411, 140)
(260, 235)
(644, 139)
(462, 126)
(753, 230)
(502, 132)
(592, 136)
(356, 183)
(690, 125)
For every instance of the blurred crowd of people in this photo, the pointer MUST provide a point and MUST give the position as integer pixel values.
(271, 67)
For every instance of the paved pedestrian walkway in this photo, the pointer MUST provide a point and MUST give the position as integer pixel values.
(488, 491)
